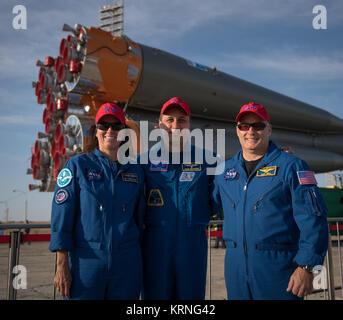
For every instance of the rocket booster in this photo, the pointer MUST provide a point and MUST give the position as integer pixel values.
(216, 95)
(93, 67)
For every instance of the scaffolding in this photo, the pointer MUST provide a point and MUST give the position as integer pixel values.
(112, 19)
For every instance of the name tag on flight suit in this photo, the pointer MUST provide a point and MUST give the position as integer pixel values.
(191, 167)
(266, 171)
(129, 177)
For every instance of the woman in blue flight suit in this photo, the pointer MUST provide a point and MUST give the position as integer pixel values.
(97, 214)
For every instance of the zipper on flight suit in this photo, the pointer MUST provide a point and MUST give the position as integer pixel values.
(244, 205)
(244, 234)
(232, 203)
(114, 177)
(315, 205)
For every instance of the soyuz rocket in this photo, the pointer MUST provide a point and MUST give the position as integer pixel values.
(93, 67)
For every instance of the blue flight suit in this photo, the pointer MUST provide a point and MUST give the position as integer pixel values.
(174, 238)
(272, 224)
(98, 217)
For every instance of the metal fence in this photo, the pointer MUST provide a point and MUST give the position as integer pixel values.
(333, 259)
(328, 279)
(330, 275)
(15, 239)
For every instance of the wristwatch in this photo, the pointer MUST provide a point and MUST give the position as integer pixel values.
(307, 268)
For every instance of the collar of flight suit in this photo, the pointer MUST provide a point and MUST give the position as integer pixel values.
(273, 152)
(157, 149)
(97, 153)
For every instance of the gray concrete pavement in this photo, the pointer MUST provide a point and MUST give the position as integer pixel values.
(40, 265)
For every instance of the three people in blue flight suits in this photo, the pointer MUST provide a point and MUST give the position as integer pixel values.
(274, 217)
(275, 225)
(97, 214)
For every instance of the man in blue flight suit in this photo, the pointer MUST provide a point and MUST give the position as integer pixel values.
(97, 215)
(178, 210)
(275, 224)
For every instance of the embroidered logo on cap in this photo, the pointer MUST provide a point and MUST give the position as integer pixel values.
(249, 107)
(110, 109)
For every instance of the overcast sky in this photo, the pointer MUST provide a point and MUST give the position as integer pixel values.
(271, 43)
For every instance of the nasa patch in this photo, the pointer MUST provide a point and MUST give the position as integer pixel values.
(94, 174)
(64, 178)
(230, 174)
(61, 196)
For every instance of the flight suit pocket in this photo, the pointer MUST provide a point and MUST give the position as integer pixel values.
(90, 224)
(266, 195)
(127, 190)
(89, 244)
(130, 238)
(276, 246)
(279, 257)
(316, 202)
(231, 219)
(231, 202)
(230, 244)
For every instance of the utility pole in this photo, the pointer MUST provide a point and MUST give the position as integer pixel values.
(26, 203)
(5, 202)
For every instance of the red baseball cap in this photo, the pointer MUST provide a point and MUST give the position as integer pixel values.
(176, 102)
(110, 109)
(256, 108)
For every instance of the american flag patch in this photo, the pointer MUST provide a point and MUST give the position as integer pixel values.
(306, 177)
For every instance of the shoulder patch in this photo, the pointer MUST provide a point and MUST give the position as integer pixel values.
(61, 196)
(306, 177)
(64, 178)
(155, 198)
(266, 171)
